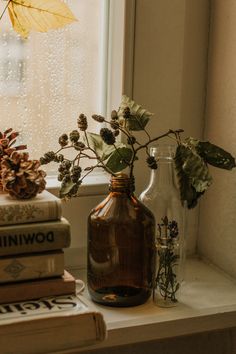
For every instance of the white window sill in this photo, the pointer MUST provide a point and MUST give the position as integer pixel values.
(207, 303)
(93, 184)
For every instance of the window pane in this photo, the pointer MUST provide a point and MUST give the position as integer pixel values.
(48, 79)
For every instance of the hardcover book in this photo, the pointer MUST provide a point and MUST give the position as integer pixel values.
(38, 288)
(45, 206)
(49, 325)
(31, 266)
(34, 237)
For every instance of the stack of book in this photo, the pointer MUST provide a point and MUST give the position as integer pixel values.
(33, 234)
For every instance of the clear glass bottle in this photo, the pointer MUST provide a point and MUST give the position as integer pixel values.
(121, 248)
(162, 197)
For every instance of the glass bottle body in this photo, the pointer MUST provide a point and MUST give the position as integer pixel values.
(121, 249)
(163, 199)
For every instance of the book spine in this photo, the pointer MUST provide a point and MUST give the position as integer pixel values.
(34, 237)
(37, 288)
(30, 211)
(30, 267)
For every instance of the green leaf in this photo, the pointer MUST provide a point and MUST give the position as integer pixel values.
(139, 115)
(192, 173)
(119, 160)
(96, 143)
(66, 189)
(197, 171)
(102, 149)
(215, 155)
(137, 123)
(108, 150)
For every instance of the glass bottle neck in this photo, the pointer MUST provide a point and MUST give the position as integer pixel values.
(164, 175)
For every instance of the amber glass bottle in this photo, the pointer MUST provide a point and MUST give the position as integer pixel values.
(121, 247)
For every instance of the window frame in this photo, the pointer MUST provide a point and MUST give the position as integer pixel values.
(114, 30)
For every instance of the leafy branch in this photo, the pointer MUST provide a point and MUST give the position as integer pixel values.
(113, 156)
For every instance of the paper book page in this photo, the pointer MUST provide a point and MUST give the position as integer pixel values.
(56, 306)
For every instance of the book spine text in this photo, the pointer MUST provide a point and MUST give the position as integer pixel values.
(34, 237)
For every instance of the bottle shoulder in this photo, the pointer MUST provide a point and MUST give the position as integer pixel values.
(117, 206)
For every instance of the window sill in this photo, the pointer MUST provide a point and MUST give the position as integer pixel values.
(207, 303)
(94, 184)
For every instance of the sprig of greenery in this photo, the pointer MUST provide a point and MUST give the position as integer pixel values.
(110, 153)
(166, 282)
(114, 155)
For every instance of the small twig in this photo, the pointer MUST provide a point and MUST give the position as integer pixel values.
(167, 134)
(119, 127)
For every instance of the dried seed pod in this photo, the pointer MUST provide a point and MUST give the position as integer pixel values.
(126, 113)
(107, 136)
(152, 163)
(82, 122)
(98, 118)
(114, 124)
(74, 136)
(114, 115)
(131, 140)
(116, 132)
(63, 140)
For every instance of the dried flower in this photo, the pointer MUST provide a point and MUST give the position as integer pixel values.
(116, 132)
(48, 157)
(74, 136)
(114, 124)
(82, 122)
(75, 173)
(126, 113)
(107, 136)
(131, 140)
(98, 118)
(114, 115)
(63, 140)
(152, 163)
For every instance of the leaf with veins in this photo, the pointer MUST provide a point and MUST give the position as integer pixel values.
(38, 15)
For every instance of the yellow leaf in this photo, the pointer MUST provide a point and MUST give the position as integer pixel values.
(38, 15)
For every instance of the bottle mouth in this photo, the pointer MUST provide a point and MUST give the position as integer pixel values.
(163, 151)
(122, 183)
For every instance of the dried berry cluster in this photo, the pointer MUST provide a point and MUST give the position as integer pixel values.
(114, 149)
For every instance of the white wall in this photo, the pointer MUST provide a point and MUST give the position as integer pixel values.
(170, 61)
(217, 236)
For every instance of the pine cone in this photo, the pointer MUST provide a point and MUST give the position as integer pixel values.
(21, 177)
(7, 140)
